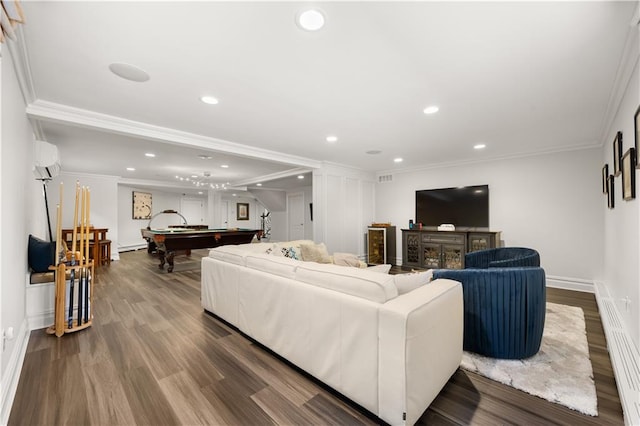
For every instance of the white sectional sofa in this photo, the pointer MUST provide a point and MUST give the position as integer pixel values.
(350, 328)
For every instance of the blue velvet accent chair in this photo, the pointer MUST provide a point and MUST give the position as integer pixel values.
(504, 307)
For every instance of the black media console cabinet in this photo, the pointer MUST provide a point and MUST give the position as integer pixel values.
(432, 249)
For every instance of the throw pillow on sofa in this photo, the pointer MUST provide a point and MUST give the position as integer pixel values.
(290, 249)
(348, 259)
(408, 282)
(312, 252)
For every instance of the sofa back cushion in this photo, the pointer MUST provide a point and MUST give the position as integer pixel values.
(281, 266)
(369, 285)
(232, 254)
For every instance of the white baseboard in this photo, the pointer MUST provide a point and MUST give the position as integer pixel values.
(11, 375)
(568, 283)
(131, 247)
(625, 357)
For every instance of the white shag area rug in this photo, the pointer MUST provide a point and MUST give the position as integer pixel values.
(561, 372)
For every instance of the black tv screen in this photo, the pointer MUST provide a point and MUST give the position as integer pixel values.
(463, 207)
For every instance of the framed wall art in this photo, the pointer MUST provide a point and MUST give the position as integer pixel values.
(617, 153)
(610, 193)
(629, 175)
(242, 211)
(141, 205)
(636, 127)
(605, 175)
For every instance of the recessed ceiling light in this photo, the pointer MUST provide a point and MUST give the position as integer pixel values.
(397, 160)
(209, 100)
(258, 184)
(310, 20)
(131, 169)
(200, 192)
(234, 195)
(332, 139)
(479, 146)
(300, 177)
(129, 72)
(204, 157)
(194, 176)
(224, 166)
(149, 154)
(374, 152)
(431, 109)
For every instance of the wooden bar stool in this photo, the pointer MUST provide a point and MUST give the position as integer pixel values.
(105, 252)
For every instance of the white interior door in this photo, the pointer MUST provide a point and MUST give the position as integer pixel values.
(193, 211)
(295, 216)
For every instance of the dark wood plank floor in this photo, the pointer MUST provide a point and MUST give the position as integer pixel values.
(153, 357)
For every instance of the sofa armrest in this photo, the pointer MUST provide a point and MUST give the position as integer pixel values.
(420, 347)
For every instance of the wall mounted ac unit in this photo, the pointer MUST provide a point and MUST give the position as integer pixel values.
(47, 161)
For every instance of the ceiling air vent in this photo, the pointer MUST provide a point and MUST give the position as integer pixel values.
(385, 178)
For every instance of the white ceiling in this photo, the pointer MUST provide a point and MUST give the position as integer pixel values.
(520, 77)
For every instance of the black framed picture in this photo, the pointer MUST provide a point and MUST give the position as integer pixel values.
(605, 175)
(617, 153)
(636, 127)
(610, 193)
(629, 175)
(242, 211)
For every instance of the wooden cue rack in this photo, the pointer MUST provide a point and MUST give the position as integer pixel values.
(73, 313)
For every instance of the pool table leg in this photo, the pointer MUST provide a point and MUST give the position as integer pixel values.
(162, 259)
(170, 256)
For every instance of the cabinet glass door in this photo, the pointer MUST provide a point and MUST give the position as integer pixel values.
(431, 256)
(452, 257)
(376, 242)
(479, 242)
(412, 244)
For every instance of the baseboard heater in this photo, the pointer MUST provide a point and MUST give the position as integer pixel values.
(624, 355)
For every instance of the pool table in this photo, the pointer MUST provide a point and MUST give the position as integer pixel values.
(171, 240)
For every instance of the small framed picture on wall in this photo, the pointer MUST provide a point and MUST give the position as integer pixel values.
(605, 175)
(141, 205)
(636, 127)
(617, 153)
(242, 211)
(611, 199)
(629, 175)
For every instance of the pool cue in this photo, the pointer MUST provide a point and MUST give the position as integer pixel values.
(60, 295)
(80, 257)
(73, 256)
(86, 257)
(88, 270)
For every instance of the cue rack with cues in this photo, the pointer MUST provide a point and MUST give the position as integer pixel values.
(73, 268)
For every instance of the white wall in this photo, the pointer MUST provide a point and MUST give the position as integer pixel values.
(552, 203)
(22, 213)
(343, 201)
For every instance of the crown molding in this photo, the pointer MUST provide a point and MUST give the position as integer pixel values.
(273, 176)
(54, 112)
(18, 50)
(624, 74)
(487, 160)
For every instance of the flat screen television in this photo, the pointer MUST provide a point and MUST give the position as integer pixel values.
(463, 207)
